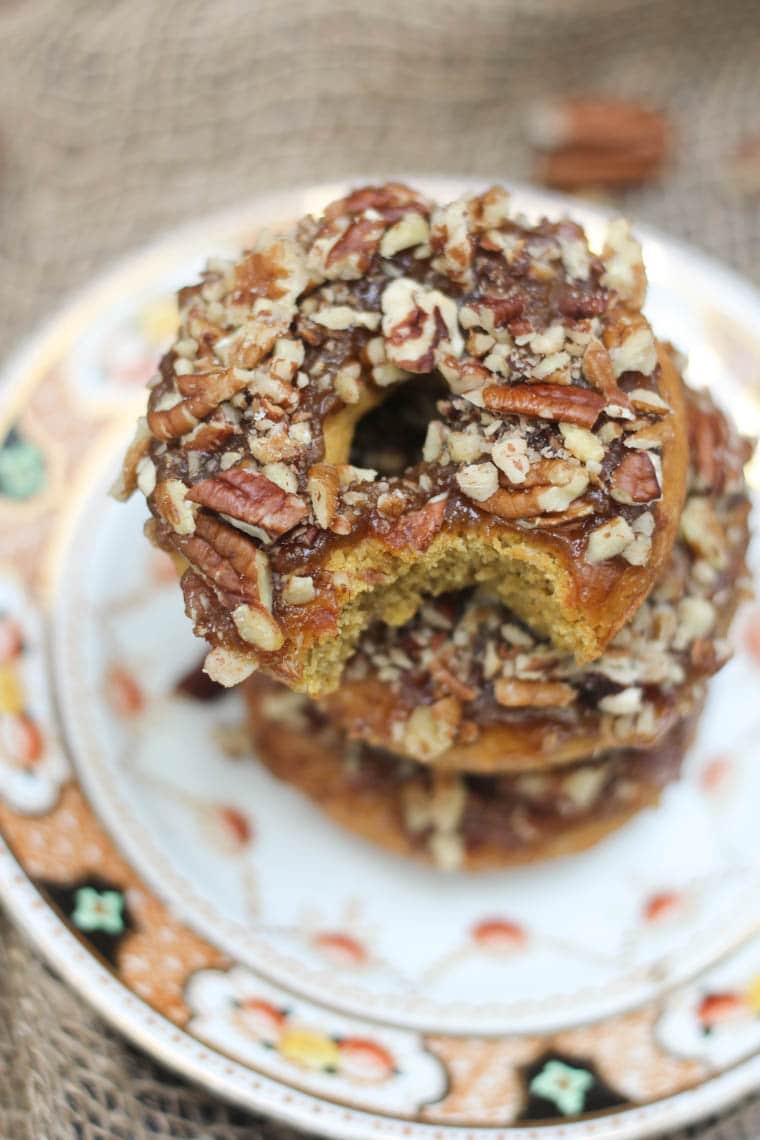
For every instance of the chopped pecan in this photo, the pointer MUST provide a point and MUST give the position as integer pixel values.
(171, 501)
(441, 673)
(479, 481)
(416, 320)
(251, 498)
(634, 480)
(127, 481)
(451, 242)
(512, 693)
(202, 392)
(708, 440)
(431, 729)
(257, 626)
(629, 341)
(624, 266)
(563, 487)
(564, 402)
(228, 559)
(649, 437)
(344, 247)
(228, 667)
(209, 436)
(391, 201)
(702, 530)
(409, 231)
(170, 421)
(323, 489)
(598, 370)
(274, 270)
(417, 529)
(609, 540)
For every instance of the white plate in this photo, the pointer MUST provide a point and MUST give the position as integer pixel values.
(220, 922)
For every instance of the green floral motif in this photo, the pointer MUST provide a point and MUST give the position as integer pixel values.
(99, 910)
(563, 1085)
(22, 468)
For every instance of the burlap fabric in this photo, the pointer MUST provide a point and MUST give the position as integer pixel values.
(119, 119)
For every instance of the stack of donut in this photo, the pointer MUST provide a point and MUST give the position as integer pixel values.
(427, 473)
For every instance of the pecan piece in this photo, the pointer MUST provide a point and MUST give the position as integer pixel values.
(565, 402)
(257, 626)
(416, 321)
(323, 488)
(432, 729)
(171, 501)
(634, 480)
(552, 498)
(417, 529)
(251, 498)
(516, 694)
(598, 370)
(127, 481)
(202, 392)
(708, 439)
(588, 141)
(228, 559)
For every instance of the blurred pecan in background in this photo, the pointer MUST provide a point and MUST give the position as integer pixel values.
(596, 142)
(744, 168)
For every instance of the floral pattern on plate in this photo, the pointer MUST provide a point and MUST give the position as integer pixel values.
(327, 1053)
(32, 762)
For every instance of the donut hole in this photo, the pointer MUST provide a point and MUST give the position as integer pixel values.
(390, 437)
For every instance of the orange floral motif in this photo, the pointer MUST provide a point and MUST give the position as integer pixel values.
(716, 774)
(719, 1008)
(124, 693)
(354, 1058)
(11, 638)
(342, 949)
(364, 1060)
(21, 742)
(236, 825)
(662, 906)
(499, 936)
(261, 1019)
(752, 634)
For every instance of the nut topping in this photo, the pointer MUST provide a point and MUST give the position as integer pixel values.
(250, 497)
(580, 406)
(634, 480)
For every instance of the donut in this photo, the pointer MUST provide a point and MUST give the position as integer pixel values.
(467, 685)
(554, 466)
(453, 820)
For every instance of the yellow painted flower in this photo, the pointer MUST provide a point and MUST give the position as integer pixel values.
(158, 320)
(753, 994)
(309, 1048)
(11, 690)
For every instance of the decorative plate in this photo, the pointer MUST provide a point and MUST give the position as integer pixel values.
(222, 924)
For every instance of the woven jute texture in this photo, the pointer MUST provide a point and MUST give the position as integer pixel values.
(119, 119)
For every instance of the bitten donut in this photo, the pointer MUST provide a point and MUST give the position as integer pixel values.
(554, 467)
(466, 685)
(455, 820)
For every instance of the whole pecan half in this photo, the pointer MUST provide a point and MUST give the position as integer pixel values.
(564, 402)
(235, 566)
(252, 498)
(634, 480)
